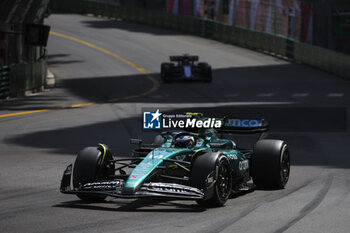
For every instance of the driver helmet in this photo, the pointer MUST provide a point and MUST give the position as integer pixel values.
(184, 142)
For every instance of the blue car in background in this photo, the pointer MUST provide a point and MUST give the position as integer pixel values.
(184, 68)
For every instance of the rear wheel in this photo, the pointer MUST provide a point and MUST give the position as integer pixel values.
(206, 71)
(270, 166)
(91, 164)
(165, 71)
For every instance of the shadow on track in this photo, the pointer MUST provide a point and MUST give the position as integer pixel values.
(128, 26)
(238, 84)
(233, 83)
(306, 148)
(35, 102)
(60, 59)
(139, 205)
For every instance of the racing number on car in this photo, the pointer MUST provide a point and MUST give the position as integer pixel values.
(158, 156)
(243, 165)
(232, 156)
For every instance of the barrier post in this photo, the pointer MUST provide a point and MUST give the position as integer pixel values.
(290, 48)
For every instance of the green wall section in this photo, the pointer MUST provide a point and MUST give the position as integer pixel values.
(18, 78)
(317, 57)
(4, 81)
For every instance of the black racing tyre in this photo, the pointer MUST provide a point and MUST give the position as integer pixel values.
(88, 167)
(211, 164)
(270, 166)
(203, 64)
(165, 69)
(206, 71)
(208, 78)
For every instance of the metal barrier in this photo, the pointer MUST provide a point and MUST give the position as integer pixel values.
(26, 77)
(4, 81)
(18, 78)
(320, 58)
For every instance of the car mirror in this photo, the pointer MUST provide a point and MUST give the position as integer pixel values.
(217, 145)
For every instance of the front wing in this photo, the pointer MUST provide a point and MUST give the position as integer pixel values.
(179, 73)
(115, 188)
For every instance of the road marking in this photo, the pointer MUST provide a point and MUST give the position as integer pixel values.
(81, 105)
(155, 83)
(265, 94)
(232, 95)
(335, 94)
(300, 95)
(47, 109)
(216, 104)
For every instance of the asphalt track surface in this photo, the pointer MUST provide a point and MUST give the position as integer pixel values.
(307, 108)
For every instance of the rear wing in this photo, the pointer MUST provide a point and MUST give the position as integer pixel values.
(181, 58)
(244, 126)
(238, 125)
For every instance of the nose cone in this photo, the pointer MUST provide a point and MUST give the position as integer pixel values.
(187, 71)
(128, 191)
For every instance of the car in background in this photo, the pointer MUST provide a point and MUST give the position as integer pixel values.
(185, 67)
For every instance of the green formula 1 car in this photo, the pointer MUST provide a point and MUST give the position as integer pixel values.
(195, 165)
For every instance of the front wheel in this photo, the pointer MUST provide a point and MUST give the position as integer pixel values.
(217, 167)
(270, 166)
(91, 164)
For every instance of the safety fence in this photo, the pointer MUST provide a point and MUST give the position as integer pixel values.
(22, 65)
(15, 79)
(285, 47)
(292, 18)
(4, 81)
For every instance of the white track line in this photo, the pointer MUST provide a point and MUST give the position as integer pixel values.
(232, 95)
(300, 95)
(265, 94)
(218, 104)
(335, 94)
